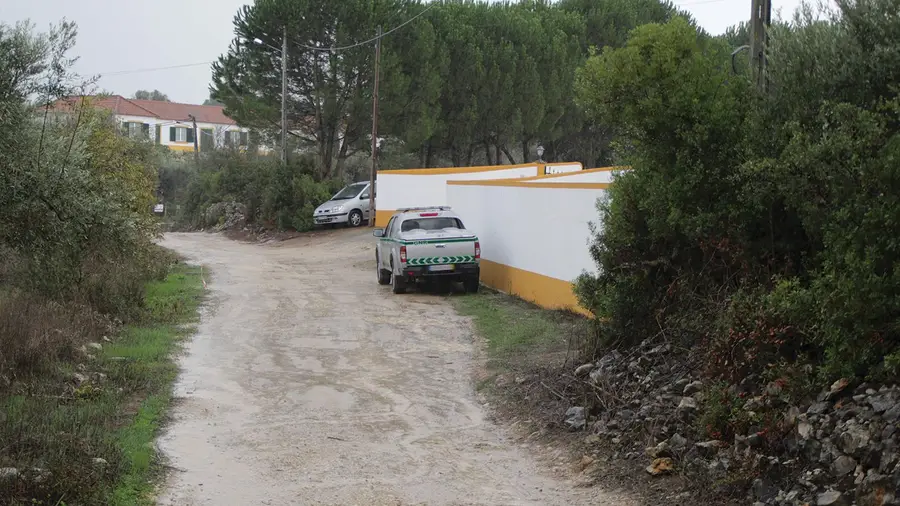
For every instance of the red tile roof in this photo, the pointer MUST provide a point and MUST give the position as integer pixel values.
(153, 109)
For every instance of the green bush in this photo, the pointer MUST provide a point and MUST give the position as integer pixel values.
(762, 226)
(275, 195)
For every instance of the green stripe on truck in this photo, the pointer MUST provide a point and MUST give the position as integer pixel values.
(462, 259)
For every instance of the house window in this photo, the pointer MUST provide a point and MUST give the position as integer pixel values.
(136, 130)
(181, 134)
(236, 138)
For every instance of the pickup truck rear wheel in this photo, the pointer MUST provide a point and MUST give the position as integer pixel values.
(398, 283)
(471, 284)
(384, 275)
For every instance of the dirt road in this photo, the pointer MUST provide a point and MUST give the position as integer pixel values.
(308, 383)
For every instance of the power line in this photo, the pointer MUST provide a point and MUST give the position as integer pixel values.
(153, 69)
(311, 48)
(369, 41)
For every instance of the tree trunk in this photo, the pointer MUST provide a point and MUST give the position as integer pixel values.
(508, 155)
(525, 151)
(428, 153)
(487, 153)
(497, 154)
(550, 152)
(341, 160)
(469, 153)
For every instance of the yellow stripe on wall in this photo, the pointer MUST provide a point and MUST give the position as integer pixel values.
(457, 170)
(547, 292)
(383, 217)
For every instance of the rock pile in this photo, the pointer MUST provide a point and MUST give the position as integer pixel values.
(226, 216)
(841, 448)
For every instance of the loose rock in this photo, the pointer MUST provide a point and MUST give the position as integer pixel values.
(830, 498)
(837, 388)
(818, 408)
(677, 441)
(687, 406)
(575, 419)
(584, 369)
(764, 490)
(709, 448)
(693, 387)
(661, 466)
(79, 379)
(843, 466)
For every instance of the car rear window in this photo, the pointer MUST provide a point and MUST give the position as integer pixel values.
(430, 224)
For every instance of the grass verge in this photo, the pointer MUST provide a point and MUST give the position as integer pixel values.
(83, 433)
(519, 335)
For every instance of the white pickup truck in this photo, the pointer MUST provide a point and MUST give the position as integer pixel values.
(426, 243)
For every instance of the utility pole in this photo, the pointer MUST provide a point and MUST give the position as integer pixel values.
(760, 20)
(374, 133)
(284, 58)
(196, 132)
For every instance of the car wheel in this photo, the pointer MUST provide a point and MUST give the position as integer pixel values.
(471, 284)
(383, 275)
(398, 283)
(355, 218)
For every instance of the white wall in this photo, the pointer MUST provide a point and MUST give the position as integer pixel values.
(586, 176)
(541, 230)
(397, 190)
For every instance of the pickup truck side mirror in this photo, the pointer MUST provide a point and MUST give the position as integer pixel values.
(378, 232)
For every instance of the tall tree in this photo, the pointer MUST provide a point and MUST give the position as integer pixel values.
(151, 95)
(329, 92)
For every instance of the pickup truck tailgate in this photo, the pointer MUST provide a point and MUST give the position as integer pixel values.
(435, 248)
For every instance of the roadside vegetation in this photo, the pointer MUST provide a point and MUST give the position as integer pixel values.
(759, 227)
(745, 297)
(90, 307)
(233, 190)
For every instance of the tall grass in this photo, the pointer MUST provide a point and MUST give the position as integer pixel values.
(81, 430)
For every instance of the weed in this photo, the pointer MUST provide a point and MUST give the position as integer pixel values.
(93, 441)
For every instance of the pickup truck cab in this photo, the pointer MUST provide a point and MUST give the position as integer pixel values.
(426, 243)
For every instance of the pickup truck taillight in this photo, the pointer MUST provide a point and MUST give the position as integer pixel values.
(477, 249)
(403, 254)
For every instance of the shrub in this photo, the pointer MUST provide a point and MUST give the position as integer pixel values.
(36, 332)
(761, 226)
(274, 194)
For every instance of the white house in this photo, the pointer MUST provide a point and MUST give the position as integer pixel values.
(168, 123)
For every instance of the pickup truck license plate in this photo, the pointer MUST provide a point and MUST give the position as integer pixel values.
(436, 268)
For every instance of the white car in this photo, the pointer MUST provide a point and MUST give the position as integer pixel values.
(350, 206)
(426, 243)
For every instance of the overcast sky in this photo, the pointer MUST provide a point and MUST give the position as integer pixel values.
(147, 35)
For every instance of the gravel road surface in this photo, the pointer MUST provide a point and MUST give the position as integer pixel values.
(308, 383)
